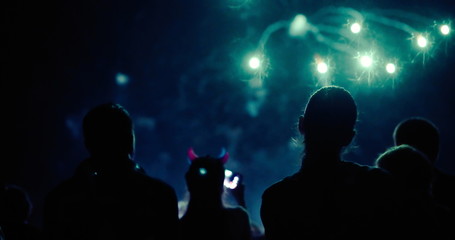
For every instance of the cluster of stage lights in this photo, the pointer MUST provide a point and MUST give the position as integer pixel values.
(366, 61)
(366, 56)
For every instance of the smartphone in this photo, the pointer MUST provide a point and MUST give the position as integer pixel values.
(231, 179)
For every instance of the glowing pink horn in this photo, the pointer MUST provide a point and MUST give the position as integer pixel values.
(191, 154)
(224, 156)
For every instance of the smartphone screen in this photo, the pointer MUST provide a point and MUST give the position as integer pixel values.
(231, 179)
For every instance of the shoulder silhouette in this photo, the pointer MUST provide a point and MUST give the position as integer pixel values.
(329, 198)
(15, 210)
(206, 216)
(110, 196)
(423, 134)
(422, 216)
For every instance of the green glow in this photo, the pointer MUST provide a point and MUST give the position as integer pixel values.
(202, 171)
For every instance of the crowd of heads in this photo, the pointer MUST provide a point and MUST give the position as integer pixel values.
(110, 183)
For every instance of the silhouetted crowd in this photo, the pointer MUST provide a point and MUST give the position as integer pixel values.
(110, 196)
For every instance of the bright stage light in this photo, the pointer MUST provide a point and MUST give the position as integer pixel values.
(445, 29)
(322, 67)
(298, 26)
(254, 63)
(366, 61)
(339, 30)
(422, 41)
(390, 68)
(355, 28)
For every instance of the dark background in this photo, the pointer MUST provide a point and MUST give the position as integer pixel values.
(188, 85)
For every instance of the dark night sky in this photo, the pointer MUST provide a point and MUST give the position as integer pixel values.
(188, 86)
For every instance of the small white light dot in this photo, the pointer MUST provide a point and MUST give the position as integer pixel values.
(390, 68)
(445, 29)
(355, 28)
(422, 41)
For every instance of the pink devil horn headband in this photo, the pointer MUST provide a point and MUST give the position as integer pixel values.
(191, 154)
(224, 156)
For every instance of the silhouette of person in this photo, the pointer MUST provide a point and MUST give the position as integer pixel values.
(423, 134)
(206, 217)
(424, 218)
(329, 198)
(110, 196)
(15, 210)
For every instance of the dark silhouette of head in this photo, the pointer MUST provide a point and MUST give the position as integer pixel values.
(109, 132)
(15, 204)
(329, 119)
(407, 164)
(420, 133)
(205, 175)
(206, 216)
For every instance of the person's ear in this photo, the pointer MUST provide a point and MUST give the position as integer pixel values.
(301, 125)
